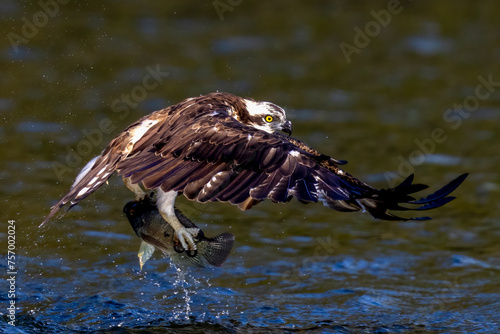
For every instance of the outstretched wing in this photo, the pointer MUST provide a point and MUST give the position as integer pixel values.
(196, 148)
(220, 159)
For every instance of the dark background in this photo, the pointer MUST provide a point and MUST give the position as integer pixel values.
(72, 77)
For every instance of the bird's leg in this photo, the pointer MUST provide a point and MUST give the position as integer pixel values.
(165, 203)
(135, 188)
(184, 236)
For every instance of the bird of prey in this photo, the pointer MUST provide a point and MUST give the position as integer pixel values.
(221, 147)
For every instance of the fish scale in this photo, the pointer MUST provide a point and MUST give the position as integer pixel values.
(157, 234)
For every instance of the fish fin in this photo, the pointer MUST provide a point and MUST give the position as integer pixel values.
(219, 248)
(145, 252)
(182, 259)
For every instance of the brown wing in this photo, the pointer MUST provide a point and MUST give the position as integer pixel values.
(212, 157)
(195, 147)
(137, 137)
(216, 158)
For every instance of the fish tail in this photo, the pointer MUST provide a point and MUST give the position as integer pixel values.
(218, 249)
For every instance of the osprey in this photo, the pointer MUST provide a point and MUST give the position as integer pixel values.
(221, 147)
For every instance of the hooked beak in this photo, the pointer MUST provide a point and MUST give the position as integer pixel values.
(287, 128)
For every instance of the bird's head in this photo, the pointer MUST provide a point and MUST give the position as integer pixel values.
(266, 116)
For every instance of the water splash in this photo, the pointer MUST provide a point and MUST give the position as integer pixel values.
(183, 288)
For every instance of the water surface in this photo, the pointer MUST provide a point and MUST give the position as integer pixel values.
(72, 85)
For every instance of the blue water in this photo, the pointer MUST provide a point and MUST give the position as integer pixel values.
(294, 268)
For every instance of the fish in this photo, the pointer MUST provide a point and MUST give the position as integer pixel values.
(157, 234)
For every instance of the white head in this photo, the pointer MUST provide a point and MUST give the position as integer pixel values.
(266, 116)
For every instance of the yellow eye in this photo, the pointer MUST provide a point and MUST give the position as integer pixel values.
(269, 118)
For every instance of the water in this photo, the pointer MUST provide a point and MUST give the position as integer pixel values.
(69, 87)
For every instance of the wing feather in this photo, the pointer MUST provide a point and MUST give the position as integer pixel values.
(218, 158)
(194, 188)
(213, 188)
(196, 147)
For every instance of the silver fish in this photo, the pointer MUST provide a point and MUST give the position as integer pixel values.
(156, 233)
